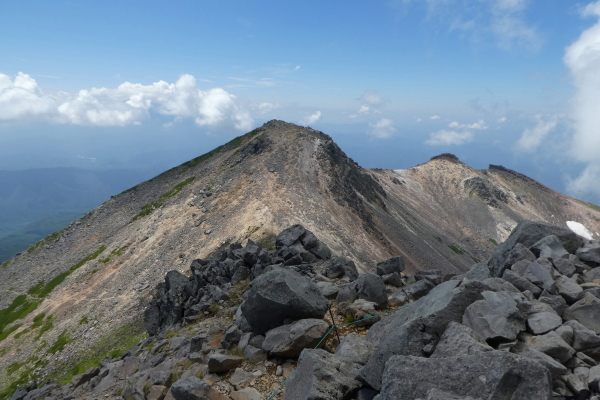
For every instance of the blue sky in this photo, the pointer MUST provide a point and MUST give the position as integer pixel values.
(150, 84)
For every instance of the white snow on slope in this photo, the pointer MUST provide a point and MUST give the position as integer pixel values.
(579, 229)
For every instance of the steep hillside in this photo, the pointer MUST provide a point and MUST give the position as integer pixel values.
(85, 287)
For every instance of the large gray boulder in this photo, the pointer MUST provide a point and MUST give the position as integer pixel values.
(418, 289)
(488, 375)
(394, 264)
(218, 363)
(281, 294)
(551, 344)
(543, 322)
(290, 235)
(290, 340)
(341, 266)
(370, 287)
(568, 289)
(539, 274)
(520, 283)
(321, 375)
(355, 348)
(590, 252)
(402, 333)
(528, 233)
(459, 340)
(556, 369)
(192, 388)
(586, 311)
(583, 338)
(496, 317)
(549, 247)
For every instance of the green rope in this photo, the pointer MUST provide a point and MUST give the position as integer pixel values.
(325, 337)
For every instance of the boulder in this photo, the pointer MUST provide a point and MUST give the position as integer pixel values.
(488, 375)
(393, 279)
(80, 379)
(543, 322)
(586, 311)
(289, 236)
(370, 287)
(394, 264)
(322, 375)
(496, 317)
(568, 289)
(539, 274)
(521, 283)
(432, 275)
(193, 388)
(254, 354)
(402, 332)
(341, 266)
(478, 272)
(289, 340)
(218, 363)
(583, 338)
(558, 304)
(551, 344)
(528, 233)
(281, 294)
(360, 310)
(355, 349)
(590, 252)
(556, 369)
(418, 289)
(549, 247)
(593, 275)
(566, 267)
(246, 394)
(459, 340)
(321, 251)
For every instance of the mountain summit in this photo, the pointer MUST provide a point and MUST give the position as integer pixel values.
(86, 286)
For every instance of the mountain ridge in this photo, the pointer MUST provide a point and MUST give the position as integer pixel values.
(252, 188)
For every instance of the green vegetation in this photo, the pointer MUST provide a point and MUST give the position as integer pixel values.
(44, 291)
(149, 208)
(61, 342)
(26, 367)
(251, 230)
(45, 327)
(348, 319)
(114, 253)
(493, 241)
(46, 240)
(83, 320)
(439, 239)
(268, 242)
(177, 188)
(456, 249)
(8, 331)
(113, 344)
(23, 305)
(5, 264)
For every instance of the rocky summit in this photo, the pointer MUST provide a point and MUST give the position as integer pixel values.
(253, 323)
(223, 278)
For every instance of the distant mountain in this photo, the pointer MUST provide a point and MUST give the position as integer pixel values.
(37, 202)
(442, 215)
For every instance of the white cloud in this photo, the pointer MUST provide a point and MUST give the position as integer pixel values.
(501, 120)
(22, 98)
(363, 110)
(371, 97)
(311, 119)
(480, 125)
(297, 68)
(383, 129)
(445, 138)
(434, 117)
(128, 104)
(583, 61)
(264, 108)
(531, 138)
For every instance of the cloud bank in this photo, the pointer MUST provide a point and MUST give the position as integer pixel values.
(382, 129)
(128, 104)
(532, 138)
(583, 61)
(448, 138)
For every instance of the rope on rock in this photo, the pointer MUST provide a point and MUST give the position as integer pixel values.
(325, 337)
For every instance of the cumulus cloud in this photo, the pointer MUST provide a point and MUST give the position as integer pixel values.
(501, 120)
(446, 138)
(382, 129)
(311, 119)
(480, 125)
(128, 104)
(22, 97)
(371, 97)
(582, 58)
(434, 117)
(531, 138)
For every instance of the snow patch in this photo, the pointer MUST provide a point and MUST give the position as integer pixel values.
(579, 229)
